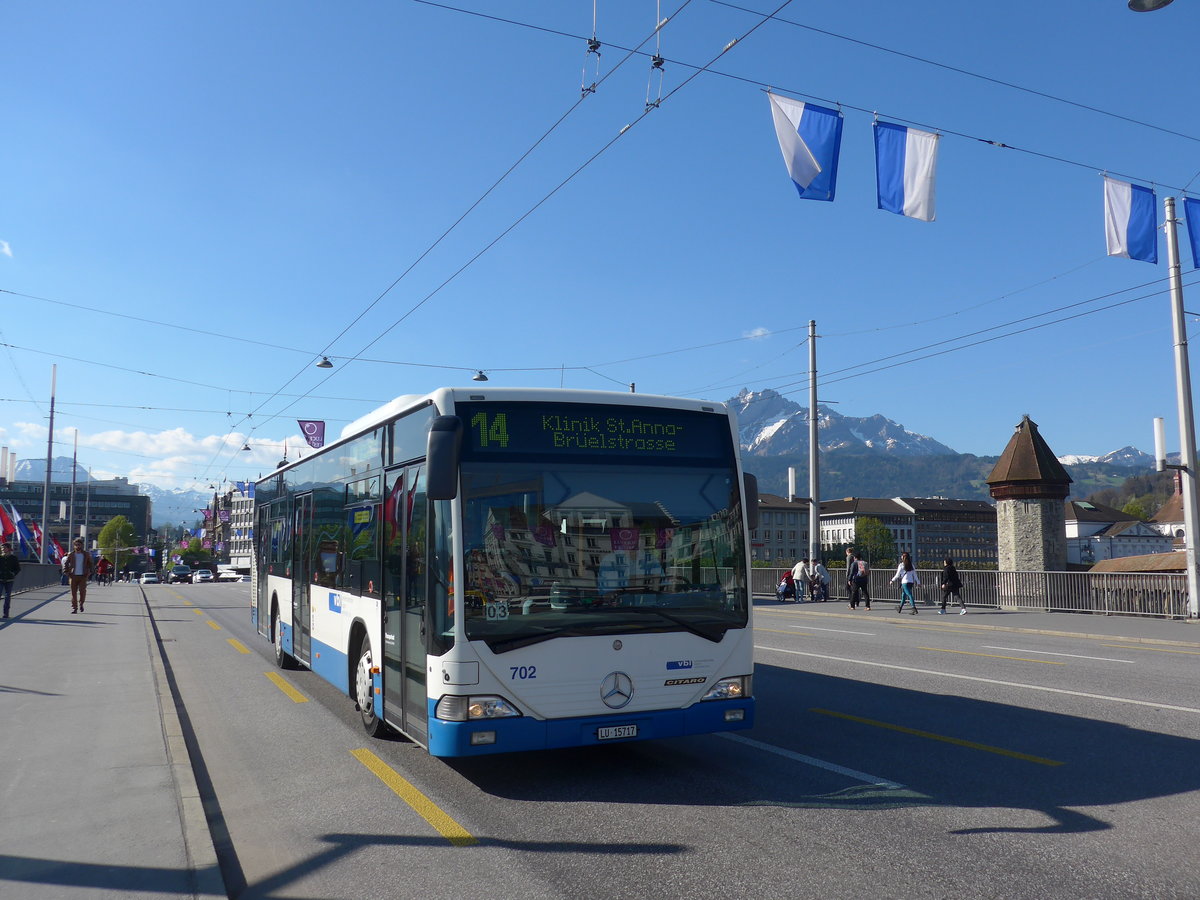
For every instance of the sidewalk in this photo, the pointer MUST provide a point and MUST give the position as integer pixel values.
(1126, 628)
(97, 796)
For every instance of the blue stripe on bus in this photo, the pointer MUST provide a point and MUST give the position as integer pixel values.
(331, 664)
(521, 733)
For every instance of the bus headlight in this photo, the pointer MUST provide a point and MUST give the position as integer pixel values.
(729, 689)
(474, 709)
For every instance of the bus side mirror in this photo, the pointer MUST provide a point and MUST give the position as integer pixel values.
(443, 452)
(750, 494)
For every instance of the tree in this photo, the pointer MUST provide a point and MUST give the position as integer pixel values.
(874, 541)
(1136, 506)
(116, 540)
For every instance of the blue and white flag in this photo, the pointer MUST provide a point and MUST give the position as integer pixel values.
(802, 166)
(1130, 220)
(1191, 212)
(820, 131)
(905, 166)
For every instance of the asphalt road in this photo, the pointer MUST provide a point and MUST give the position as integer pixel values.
(893, 757)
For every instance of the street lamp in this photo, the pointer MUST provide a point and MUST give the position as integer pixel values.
(1148, 5)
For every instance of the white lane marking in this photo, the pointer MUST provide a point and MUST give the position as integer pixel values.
(1048, 653)
(812, 761)
(993, 681)
(835, 630)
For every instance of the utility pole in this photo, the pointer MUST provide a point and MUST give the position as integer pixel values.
(49, 462)
(814, 450)
(1183, 396)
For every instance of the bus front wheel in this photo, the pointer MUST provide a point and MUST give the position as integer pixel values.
(364, 692)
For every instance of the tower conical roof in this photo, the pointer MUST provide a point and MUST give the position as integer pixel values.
(1029, 464)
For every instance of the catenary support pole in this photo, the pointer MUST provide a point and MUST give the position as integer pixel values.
(1183, 395)
(814, 450)
(45, 523)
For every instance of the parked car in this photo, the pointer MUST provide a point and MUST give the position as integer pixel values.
(178, 574)
(149, 578)
(201, 575)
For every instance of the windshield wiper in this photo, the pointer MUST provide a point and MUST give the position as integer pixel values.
(708, 635)
(526, 640)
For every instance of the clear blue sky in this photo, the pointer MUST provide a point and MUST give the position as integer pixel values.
(246, 179)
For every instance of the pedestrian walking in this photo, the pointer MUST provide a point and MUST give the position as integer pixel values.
(77, 566)
(820, 581)
(951, 586)
(906, 574)
(802, 578)
(849, 572)
(9, 567)
(860, 581)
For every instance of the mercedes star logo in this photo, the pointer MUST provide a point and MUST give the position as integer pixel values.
(616, 690)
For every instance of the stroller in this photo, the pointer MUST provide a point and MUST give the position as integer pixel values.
(786, 590)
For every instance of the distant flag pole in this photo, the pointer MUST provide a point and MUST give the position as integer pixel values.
(820, 131)
(802, 166)
(1130, 220)
(905, 170)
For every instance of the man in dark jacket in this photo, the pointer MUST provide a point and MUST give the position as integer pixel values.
(9, 567)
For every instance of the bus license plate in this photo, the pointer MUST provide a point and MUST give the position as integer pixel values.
(611, 732)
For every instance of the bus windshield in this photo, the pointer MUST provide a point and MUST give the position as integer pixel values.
(585, 549)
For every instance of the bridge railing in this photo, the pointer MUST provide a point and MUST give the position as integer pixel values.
(1103, 593)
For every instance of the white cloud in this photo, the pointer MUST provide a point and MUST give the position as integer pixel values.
(756, 333)
(5, 249)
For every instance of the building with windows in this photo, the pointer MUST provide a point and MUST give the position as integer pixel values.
(929, 529)
(781, 537)
(1096, 532)
(95, 503)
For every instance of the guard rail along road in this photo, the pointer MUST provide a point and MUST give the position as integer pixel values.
(1102, 593)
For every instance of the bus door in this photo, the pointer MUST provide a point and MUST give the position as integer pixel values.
(302, 576)
(405, 593)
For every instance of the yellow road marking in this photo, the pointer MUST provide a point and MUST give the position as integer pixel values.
(1040, 760)
(213, 625)
(1155, 649)
(940, 629)
(777, 631)
(422, 805)
(1048, 662)
(187, 602)
(282, 684)
(238, 645)
(198, 612)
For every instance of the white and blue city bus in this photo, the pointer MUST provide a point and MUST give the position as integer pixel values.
(493, 570)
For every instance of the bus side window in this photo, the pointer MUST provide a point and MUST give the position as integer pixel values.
(362, 564)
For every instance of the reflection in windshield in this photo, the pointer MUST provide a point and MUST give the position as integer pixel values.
(600, 550)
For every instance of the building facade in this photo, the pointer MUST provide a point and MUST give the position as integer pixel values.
(94, 504)
(1096, 532)
(781, 537)
(929, 529)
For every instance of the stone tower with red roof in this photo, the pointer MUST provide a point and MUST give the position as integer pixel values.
(1030, 488)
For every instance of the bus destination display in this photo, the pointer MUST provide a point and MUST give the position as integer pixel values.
(591, 429)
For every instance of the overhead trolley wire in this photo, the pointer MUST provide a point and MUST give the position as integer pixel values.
(455, 225)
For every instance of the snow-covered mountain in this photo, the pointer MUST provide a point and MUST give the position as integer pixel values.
(174, 506)
(1126, 456)
(60, 470)
(771, 425)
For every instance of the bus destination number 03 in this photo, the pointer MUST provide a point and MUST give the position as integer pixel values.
(494, 433)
